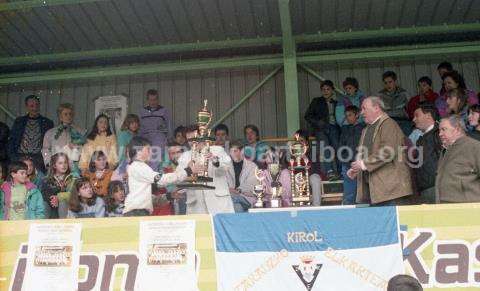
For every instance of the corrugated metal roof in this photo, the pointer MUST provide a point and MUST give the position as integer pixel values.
(88, 25)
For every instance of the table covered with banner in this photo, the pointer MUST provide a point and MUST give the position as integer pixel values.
(315, 249)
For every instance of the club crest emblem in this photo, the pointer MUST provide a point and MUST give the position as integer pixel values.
(307, 271)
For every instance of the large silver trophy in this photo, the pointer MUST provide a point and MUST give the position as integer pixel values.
(258, 189)
(200, 151)
(276, 186)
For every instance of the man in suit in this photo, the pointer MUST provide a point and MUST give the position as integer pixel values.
(458, 176)
(382, 172)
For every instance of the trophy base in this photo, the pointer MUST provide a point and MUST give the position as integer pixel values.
(258, 204)
(195, 186)
(203, 179)
(275, 203)
(301, 201)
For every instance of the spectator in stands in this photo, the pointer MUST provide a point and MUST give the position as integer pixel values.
(443, 67)
(453, 80)
(429, 146)
(213, 201)
(383, 175)
(57, 185)
(99, 173)
(320, 116)
(458, 178)
(84, 202)
(3, 173)
(395, 99)
(65, 138)
(179, 136)
(241, 179)
(141, 177)
(457, 104)
(354, 96)
(115, 200)
(19, 198)
(404, 283)
(254, 149)
(170, 193)
(4, 133)
(129, 129)
(100, 138)
(155, 125)
(474, 121)
(315, 177)
(27, 133)
(35, 176)
(221, 135)
(425, 94)
(349, 139)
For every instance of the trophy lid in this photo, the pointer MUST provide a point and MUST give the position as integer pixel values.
(298, 148)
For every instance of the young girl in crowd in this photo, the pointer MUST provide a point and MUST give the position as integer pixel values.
(129, 129)
(99, 173)
(457, 103)
(101, 138)
(115, 200)
(84, 202)
(56, 187)
(474, 121)
(35, 176)
(19, 198)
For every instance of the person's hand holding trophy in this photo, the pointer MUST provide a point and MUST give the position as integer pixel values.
(200, 153)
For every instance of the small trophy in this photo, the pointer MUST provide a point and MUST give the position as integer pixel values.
(258, 189)
(276, 186)
(299, 176)
(199, 153)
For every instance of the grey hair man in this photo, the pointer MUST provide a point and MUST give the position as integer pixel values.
(458, 173)
(381, 168)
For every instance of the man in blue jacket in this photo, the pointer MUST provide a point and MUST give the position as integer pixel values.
(27, 133)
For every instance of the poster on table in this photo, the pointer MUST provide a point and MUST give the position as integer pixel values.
(115, 107)
(308, 250)
(53, 257)
(167, 255)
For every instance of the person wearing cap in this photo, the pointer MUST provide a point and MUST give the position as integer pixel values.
(27, 133)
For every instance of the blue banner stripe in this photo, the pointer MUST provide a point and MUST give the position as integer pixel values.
(301, 231)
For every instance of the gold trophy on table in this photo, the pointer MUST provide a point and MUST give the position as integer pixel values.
(200, 151)
(299, 176)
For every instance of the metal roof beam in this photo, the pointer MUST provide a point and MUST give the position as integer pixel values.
(289, 69)
(22, 5)
(240, 43)
(336, 56)
(139, 51)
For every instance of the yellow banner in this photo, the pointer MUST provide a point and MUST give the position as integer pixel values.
(442, 244)
(108, 246)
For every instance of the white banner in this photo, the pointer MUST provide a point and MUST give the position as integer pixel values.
(53, 257)
(167, 256)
